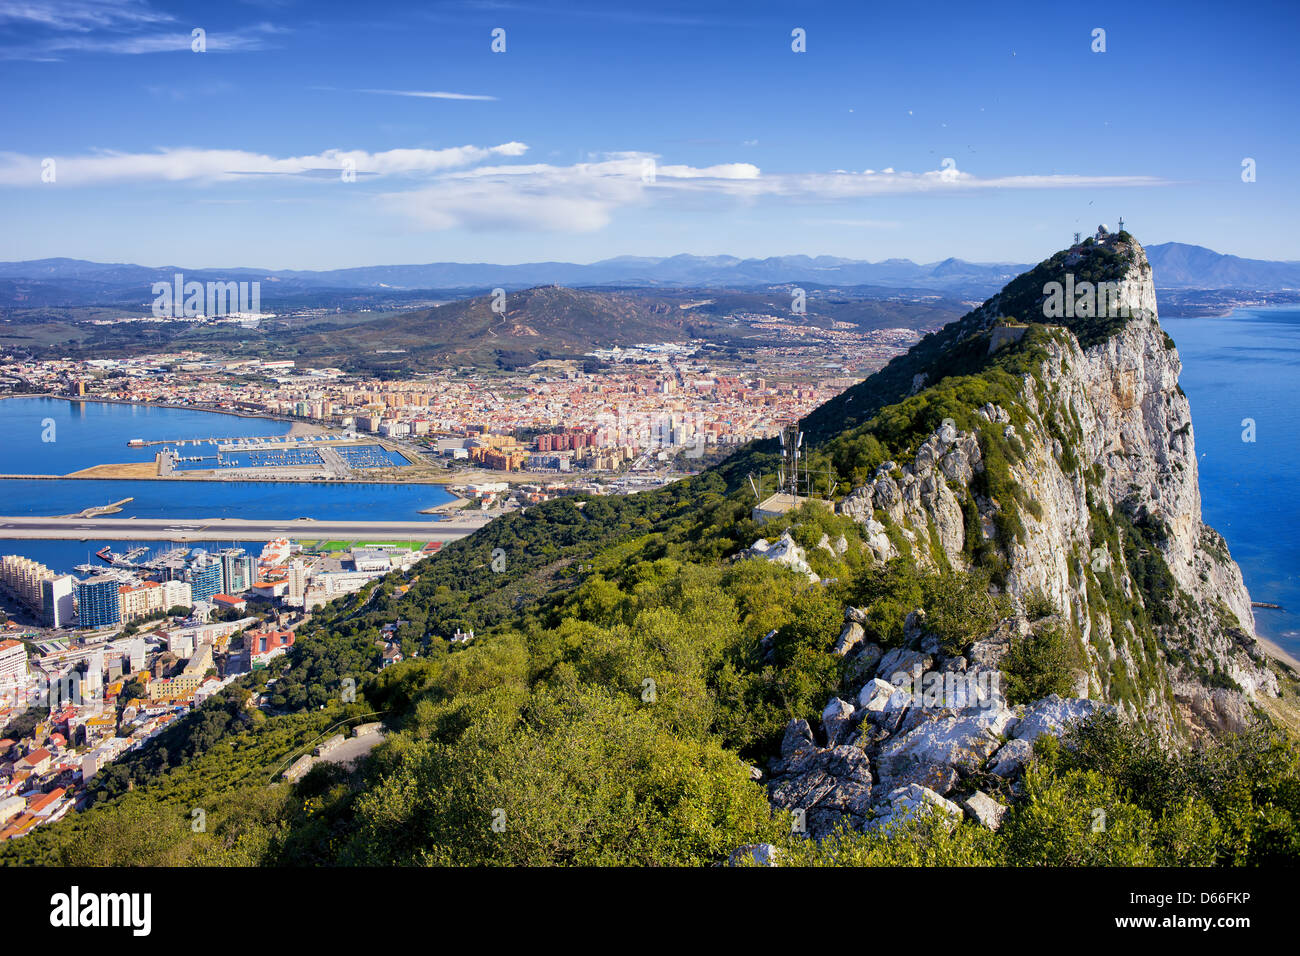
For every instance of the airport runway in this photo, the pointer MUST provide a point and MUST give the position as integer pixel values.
(235, 529)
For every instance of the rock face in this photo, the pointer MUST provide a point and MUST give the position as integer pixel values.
(1100, 448)
(784, 552)
(1096, 510)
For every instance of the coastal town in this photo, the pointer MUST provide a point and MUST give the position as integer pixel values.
(628, 413)
(118, 656)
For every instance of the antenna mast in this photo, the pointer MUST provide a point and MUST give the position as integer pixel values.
(791, 444)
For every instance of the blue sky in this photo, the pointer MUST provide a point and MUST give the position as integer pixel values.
(639, 129)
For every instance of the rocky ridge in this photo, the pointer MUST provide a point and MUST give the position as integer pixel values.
(1097, 510)
(1102, 456)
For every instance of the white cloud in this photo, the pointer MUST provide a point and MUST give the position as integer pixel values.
(586, 196)
(55, 28)
(430, 94)
(468, 187)
(81, 15)
(215, 165)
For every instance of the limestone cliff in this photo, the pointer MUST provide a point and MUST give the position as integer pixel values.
(1080, 483)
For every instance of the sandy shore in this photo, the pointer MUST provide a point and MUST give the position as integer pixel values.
(303, 429)
(129, 470)
(1277, 653)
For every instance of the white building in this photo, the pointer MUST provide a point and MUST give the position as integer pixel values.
(177, 594)
(13, 662)
(297, 582)
(181, 643)
(135, 656)
(57, 603)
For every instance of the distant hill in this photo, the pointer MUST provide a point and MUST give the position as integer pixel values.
(538, 323)
(1177, 265)
(77, 282)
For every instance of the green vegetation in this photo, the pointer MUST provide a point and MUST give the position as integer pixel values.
(1039, 664)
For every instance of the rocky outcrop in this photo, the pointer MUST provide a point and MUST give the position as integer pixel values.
(784, 552)
(1099, 447)
(912, 739)
(1083, 486)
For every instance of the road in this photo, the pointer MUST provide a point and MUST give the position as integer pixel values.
(236, 529)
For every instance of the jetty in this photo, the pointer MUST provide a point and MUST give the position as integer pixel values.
(100, 510)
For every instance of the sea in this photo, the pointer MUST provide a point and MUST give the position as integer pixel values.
(50, 436)
(1238, 371)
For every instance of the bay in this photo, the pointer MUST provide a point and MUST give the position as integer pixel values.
(91, 433)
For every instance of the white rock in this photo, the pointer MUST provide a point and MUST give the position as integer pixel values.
(875, 694)
(1011, 757)
(850, 637)
(959, 742)
(1052, 715)
(760, 854)
(984, 810)
(915, 800)
(837, 720)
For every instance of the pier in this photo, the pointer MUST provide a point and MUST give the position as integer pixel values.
(235, 444)
(98, 511)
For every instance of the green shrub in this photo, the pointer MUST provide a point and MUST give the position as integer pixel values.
(1039, 664)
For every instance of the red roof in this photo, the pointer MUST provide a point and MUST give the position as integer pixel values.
(37, 755)
(45, 799)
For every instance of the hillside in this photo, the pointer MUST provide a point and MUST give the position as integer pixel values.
(1179, 265)
(544, 322)
(1013, 623)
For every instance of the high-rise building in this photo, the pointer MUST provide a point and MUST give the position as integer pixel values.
(177, 594)
(204, 575)
(22, 578)
(297, 582)
(97, 602)
(238, 570)
(58, 602)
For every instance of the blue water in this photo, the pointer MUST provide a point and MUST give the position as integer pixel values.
(96, 433)
(177, 498)
(51, 436)
(64, 556)
(89, 433)
(1247, 365)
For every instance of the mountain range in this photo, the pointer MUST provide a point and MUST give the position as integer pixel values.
(76, 282)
